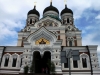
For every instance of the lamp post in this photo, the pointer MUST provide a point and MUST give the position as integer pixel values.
(69, 55)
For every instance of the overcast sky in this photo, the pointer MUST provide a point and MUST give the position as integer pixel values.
(13, 14)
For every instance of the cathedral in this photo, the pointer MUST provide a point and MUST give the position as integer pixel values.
(44, 39)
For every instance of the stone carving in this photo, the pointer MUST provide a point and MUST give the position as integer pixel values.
(48, 23)
(71, 28)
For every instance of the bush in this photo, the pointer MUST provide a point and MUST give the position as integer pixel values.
(26, 68)
(51, 66)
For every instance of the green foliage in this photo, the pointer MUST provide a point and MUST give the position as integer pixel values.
(31, 69)
(51, 66)
(26, 68)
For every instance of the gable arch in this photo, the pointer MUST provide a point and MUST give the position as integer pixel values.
(42, 33)
(7, 54)
(15, 55)
(6, 58)
(84, 55)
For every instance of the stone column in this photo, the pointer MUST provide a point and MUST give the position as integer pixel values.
(10, 62)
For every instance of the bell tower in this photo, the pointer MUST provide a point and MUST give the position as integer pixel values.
(67, 16)
(72, 34)
(32, 17)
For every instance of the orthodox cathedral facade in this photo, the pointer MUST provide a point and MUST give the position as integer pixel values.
(44, 39)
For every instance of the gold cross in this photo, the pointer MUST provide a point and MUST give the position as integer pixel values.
(50, 0)
(65, 1)
(35, 3)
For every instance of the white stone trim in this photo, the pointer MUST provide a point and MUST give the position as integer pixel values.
(3, 60)
(84, 55)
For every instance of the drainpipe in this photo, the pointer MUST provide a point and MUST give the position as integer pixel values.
(2, 54)
(90, 60)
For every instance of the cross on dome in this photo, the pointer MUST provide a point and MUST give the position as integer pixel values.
(50, 2)
(34, 11)
(65, 1)
(35, 3)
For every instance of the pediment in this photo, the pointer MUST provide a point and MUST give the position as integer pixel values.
(42, 33)
(47, 22)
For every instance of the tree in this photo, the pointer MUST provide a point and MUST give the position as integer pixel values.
(26, 68)
(51, 66)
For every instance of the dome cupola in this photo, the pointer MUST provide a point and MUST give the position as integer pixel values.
(34, 11)
(32, 16)
(66, 10)
(67, 16)
(51, 8)
(51, 11)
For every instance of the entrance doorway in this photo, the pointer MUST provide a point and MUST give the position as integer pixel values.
(46, 59)
(37, 61)
(42, 62)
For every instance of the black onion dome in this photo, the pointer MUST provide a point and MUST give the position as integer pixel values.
(52, 8)
(66, 10)
(34, 11)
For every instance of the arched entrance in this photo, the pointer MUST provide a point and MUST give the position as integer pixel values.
(37, 61)
(41, 62)
(46, 59)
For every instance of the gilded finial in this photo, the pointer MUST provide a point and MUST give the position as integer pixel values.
(35, 5)
(65, 1)
(50, 2)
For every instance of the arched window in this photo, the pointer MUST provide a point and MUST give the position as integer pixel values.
(30, 21)
(33, 21)
(6, 62)
(70, 43)
(21, 62)
(14, 62)
(63, 21)
(84, 62)
(67, 20)
(75, 64)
